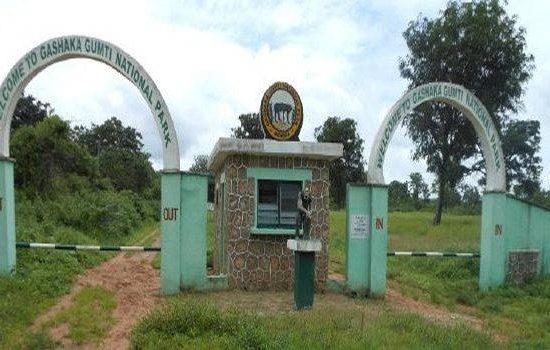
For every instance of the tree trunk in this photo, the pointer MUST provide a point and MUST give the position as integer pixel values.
(440, 201)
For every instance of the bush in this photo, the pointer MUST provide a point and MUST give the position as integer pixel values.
(106, 216)
(103, 215)
(48, 150)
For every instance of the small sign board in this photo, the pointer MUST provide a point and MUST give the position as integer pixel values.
(359, 226)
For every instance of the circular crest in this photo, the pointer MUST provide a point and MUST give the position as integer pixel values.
(281, 112)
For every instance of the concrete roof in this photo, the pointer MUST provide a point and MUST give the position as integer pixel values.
(264, 147)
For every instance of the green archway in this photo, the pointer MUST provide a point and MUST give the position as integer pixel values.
(69, 47)
(458, 97)
(367, 252)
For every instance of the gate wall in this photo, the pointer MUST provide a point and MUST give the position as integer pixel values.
(507, 224)
(184, 239)
(366, 242)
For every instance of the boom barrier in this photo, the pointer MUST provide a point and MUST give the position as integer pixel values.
(439, 254)
(105, 248)
(134, 248)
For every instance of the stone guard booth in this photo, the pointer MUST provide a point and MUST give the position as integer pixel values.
(256, 188)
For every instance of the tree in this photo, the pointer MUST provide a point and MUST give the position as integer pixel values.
(520, 145)
(199, 164)
(119, 151)
(126, 170)
(111, 134)
(474, 44)
(471, 199)
(46, 155)
(250, 127)
(417, 188)
(542, 198)
(350, 167)
(451, 193)
(29, 111)
(398, 194)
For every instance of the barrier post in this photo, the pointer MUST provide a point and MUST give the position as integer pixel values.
(358, 207)
(194, 193)
(170, 226)
(492, 264)
(7, 218)
(379, 240)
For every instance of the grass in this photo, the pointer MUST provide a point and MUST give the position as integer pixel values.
(439, 280)
(147, 234)
(195, 323)
(191, 324)
(411, 231)
(520, 315)
(523, 314)
(89, 316)
(42, 277)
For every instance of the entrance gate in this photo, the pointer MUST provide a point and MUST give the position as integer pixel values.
(515, 240)
(507, 223)
(183, 199)
(367, 206)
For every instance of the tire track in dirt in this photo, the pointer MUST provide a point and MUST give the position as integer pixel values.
(135, 285)
(440, 315)
(431, 312)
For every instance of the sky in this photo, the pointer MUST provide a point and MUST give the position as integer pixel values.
(213, 60)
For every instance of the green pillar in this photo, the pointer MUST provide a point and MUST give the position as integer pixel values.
(379, 240)
(304, 279)
(170, 274)
(194, 193)
(7, 218)
(304, 270)
(358, 207)
(492, 265)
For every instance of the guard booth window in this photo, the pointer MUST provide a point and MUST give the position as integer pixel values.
(277, 203)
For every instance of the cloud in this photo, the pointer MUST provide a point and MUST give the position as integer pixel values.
(213, 60)
(537, 97)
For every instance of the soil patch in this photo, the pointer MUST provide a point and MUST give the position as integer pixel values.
(439, 314)
(135, 283)
(430, 311)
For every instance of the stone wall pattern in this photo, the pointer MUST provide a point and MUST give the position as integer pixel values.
(261, 262)
(522, 266)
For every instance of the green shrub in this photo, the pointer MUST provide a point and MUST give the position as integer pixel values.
(183, 324)
(106, 216)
